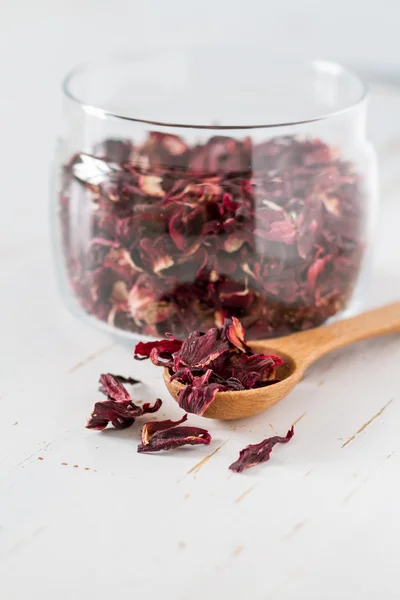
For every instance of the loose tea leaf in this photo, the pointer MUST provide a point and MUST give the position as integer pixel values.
(118, 409)
(258, 453)
(165, 435)
(165, 237)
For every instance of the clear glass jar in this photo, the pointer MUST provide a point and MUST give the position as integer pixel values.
(194, 186)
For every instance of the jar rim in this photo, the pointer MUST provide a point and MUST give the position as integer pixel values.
(319, 66)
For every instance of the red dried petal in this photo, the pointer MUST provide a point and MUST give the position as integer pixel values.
(255, 454)
(148, 408)
(235, 334)
(249, 370)
(112, 387)
(197, 397)
(120, 415)
(202, 348)
(149, 429)
(119, 408)
(169, 439)
(165, 348)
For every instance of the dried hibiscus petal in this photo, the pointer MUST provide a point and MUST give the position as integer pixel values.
(118, 409)
(235, 334)
(202, 348)
(197, 396)
(255, 454)
(165, 435)
(149, 429)
(112, 387)
(164, 348)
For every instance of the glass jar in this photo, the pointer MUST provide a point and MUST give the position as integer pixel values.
(195, 186)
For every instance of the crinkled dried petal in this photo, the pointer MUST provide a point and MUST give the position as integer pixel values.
(255, 454)
(112, 387)
(118, 414)
(235, 334)
(168, 439)
(149, 429)
(166, 348)
(249, 369)
(148, 408)
(197, 397)
(118, 409)
(201, 348)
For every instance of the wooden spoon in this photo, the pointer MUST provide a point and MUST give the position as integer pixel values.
(299, 351)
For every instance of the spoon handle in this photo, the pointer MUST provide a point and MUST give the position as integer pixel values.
(308, 346)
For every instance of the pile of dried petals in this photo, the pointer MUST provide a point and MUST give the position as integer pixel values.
(207, 363)
(121, 412)
(164, 236)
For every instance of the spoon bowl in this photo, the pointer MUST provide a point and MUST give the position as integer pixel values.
(238, 404)
(298, 351)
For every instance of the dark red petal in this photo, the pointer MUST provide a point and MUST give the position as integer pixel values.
(235, 334)
(119, 408)
(248, 369)
(202, 348)
(149, 408)
(165, 348)
(175, 437)
(258, 453)
(120, 415)
(149, 429)
(113, 388)
(197, 397)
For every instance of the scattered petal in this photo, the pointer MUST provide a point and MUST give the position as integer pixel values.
(174, 437)
(258, 453)
(118, 409)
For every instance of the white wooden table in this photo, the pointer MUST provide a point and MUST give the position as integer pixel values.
(82, 515)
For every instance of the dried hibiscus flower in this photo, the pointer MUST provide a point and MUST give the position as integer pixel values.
(207, 363)
(255, 454)
(118, 409)
(163, 349)
(166, 435)
(163, 236)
